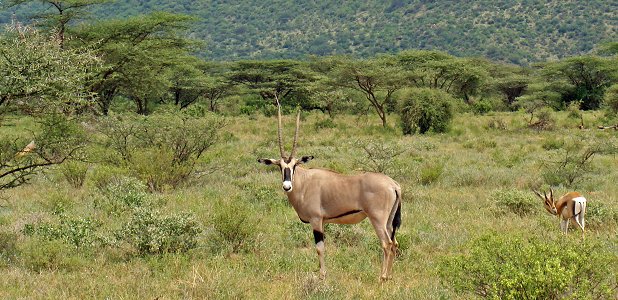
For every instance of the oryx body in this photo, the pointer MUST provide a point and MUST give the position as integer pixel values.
(322, 196)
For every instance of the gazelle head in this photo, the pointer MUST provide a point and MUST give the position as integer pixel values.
(286, 163)
(548, 202)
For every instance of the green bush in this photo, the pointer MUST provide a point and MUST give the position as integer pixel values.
(121, 193)
(611, 99)
(77, 232)
(431, 172)
(599, 215)
(501, 266)
(175, 141)
(426, 110)
(325, 123)
(234, 228)
(481, 107)
(48, 255)
(515, 201)
(149, 232)
(74, 172)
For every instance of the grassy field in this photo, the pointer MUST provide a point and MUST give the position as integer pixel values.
(251, 244)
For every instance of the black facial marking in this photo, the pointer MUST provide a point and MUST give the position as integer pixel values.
(318, 236)
(306, 222)
(345, 214)
(287, 174)
(288, 160)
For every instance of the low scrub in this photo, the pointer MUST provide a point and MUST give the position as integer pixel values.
(515, 201)
(150, 232)
(499, 266)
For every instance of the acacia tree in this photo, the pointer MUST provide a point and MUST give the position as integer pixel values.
(437, 70)
(510, 81)
(275, 80)
(39, 78)
(195, 79)
(36, 76)
(137, 54)
(585, 78)
(60, 13)
(377, 79)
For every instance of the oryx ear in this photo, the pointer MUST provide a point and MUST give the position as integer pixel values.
(267, 161)
(305, 159)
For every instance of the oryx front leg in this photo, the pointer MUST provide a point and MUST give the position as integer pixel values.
(318, 236)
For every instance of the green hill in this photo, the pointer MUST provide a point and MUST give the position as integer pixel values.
(520, 31)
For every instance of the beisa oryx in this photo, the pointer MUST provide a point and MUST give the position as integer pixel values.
(322, 196)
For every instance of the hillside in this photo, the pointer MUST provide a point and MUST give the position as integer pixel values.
(513, 31)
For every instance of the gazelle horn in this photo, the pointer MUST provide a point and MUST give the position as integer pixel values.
(296, 134)
(279, 127)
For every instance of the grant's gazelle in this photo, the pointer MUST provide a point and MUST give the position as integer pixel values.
(322, 196)
(570, 206)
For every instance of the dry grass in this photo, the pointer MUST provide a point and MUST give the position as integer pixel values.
(439, 216)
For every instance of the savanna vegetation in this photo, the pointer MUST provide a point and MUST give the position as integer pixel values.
(520, 32)
(128, 167)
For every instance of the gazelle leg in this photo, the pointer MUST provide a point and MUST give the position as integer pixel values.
(318, 236)
(579, 219)
(564, 225)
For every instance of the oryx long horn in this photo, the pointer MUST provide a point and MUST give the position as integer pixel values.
(279, 127)
(296, 134)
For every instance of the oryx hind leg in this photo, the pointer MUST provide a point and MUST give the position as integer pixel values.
(381, 227)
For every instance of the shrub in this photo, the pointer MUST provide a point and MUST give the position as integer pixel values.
(149, 232)
(325, 123)
(41, 255)
(611, 99)
(431, 172)
(515, 201)
(574, 162)
(599, 214)
(426, 110)
(482, 107)
(500, 266)
(174, 141)
(74, 172)
(121, 193)
(234, 228)
(545, 120)
(379, 156)
(77, 232)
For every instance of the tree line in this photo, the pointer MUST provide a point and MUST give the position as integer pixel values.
(148, 60)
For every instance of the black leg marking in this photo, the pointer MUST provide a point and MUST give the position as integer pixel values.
(318, 236)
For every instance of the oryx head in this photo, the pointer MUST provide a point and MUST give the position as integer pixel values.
(548, 202)
(287, 164)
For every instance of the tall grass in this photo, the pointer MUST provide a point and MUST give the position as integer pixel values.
(245, 240)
